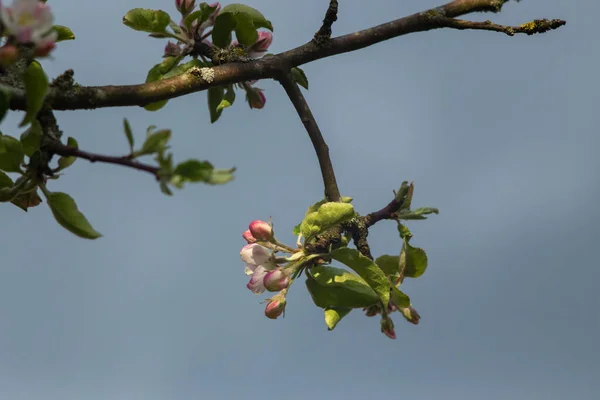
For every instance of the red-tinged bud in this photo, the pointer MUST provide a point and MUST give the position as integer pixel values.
(387, 327)
(8, 54)
(172, 49)
(247, 235)
(260, 47)
(276, 306)
(276, 280)
(372, 310)
(44, 48)
(185, 6)
(411, 315)
(261, 230)
(256, 98)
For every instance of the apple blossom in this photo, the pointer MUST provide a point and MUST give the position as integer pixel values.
(276, 280)
(30, 21)
(261, 230)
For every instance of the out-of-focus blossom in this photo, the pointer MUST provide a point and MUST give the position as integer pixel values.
(247, 235)
(185, 6)
(8, 54)
(260, 47)
(30, 21)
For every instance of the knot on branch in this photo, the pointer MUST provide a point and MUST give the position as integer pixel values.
(324, 33)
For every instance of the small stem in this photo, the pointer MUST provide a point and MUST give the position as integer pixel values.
(332, 193)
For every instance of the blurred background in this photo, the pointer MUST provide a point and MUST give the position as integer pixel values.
(500, 133)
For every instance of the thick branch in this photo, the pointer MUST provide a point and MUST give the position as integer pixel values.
(297, 98)
(57, 147)
(79, 97)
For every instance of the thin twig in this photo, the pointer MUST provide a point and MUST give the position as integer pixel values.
(57, 147)
(386, 212)
(530, 28)
(90, 97)
(297, 98)
(324, 33)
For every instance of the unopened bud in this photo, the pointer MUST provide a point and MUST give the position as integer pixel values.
(276, 307)
(411, 315)
(276, 280)
(185, 6)
(372, 310)
(247, 235)
(387, 327)
(261, 230)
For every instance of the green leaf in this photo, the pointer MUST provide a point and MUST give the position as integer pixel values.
(11, 154)
(405, 233)
(228, 98)
(242, 19)
(300, 77)
(63, 33)
(5, 181)
(398, 298)
(155, 142)
(296, 231)
(31, 138)
(338, 296)
(334, 315)
(157, 73)
(183, 68)
(367, 270)
(36, 86)
(419, 213)
(339, 277)
(390, 265)
(27, 200)
(128, 134)
(220, 176)
(146, 20)
(326, 216)
(65, 162)
(200, 15)
(67, 214)
(4, 103)
(215, 96)
(413, 261)
(194, 170)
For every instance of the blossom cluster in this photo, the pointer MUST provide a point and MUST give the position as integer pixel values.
(27, 22)
(197, 36)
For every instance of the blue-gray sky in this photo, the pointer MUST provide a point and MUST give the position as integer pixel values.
(500, 133)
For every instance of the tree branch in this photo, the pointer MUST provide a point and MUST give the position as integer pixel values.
(57, 147)
(332, 193)
(324, 33)
(81, 97)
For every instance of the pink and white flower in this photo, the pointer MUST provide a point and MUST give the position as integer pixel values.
(258, 263)
(30, 21)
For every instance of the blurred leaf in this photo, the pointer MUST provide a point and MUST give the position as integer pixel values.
(67, 214)
(242, 19)
(366, 268)
(36, 86)
(326, 216)
(66, 162)
(300, 77)
(146, 20)
(390, 265)
(296, 230)
(128, 134)
(398, 298)
(5, 181)
(11, 154)
(404, 232)
(155, 142)
(215, 96)
(27, 200)
(63, 33)
(419, 213)
(31, 138)
(334, 315)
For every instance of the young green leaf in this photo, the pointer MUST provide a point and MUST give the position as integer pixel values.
(128, 134)
(300, 77)
(334, 315)
(31, 138)
(338, 296)
(390, 265)
(63, 33)
(4, 103)
(228, 98)
(242, 19)
(413, 261)
(326, 216)
(67, 214)
(5, 181)
(366, 268)
(36, 86)
(154, 142)
(11, 154)
(146, 20)
(215, 96)
(398, 298)
(339, 277)
(67, 161)
(200, 15)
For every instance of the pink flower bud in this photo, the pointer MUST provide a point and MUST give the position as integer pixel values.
(8, 54)
(261, 230)
(256, 98)
(185, 6)
(411, 315)
(387, 327)
(276, 307)
(247, 235)
(172, 49)
(276, 280)
(260, 47)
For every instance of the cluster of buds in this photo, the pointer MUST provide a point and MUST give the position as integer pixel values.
(262, 266)
(192, 39)
(27, 22)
